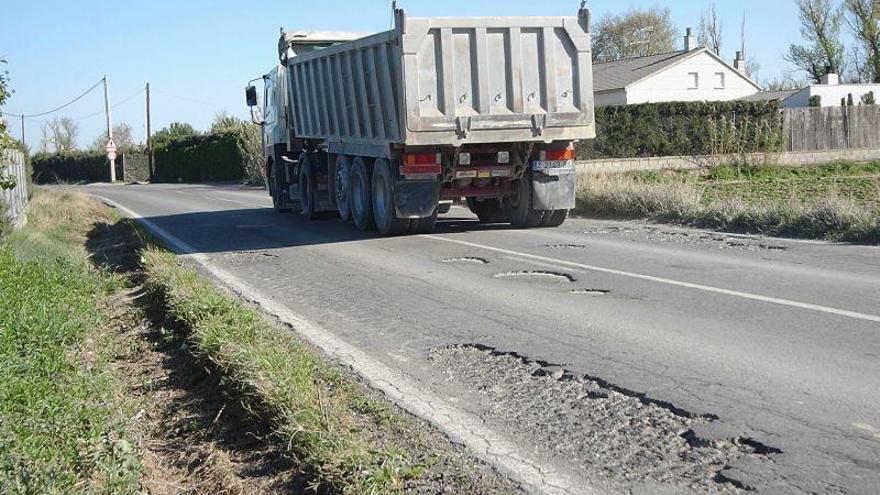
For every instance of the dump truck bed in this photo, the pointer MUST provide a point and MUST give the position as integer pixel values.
(447, 81)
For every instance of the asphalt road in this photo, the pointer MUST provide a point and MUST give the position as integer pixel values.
(779, 340)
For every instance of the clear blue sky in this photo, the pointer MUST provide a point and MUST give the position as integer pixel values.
(198, 54)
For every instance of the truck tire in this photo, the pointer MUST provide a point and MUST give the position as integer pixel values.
(425, 225)
(361, 194)
(487, 210)
(555, 218)
(276, 186)
(384, 213)
(342, 187)
(518, 207)
(307, 187)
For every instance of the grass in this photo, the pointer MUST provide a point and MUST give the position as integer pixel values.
(63, 425)
(837, 202)
(318, 411)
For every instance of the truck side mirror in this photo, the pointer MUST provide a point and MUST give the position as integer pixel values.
(251, 95)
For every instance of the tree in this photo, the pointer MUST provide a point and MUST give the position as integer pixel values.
(868, 98)
(61, 133)
(863, 19)
(223, 122)
(174, 131)
(4, 95)
(121, 137)
(785, 83)
(821, 29)
(636, 33)
(710, 31)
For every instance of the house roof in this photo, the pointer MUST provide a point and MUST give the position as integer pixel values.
(620, 74)
(771, 95)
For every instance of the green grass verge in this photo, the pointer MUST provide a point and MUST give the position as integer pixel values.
(839, 201)
(321, 414)
(63, 424)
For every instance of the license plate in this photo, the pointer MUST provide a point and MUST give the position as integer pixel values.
(553, 167)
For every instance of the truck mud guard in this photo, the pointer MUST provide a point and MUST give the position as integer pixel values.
(554, 189)
(416, 198)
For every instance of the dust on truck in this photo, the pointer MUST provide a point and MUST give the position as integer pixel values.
(387, 129)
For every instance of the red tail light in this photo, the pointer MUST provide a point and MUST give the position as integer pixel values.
(564, 154)
(421, 164)
(421, 159)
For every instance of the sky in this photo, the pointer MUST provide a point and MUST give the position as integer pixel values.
(198, 55)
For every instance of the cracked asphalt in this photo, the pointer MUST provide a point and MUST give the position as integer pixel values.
(776, 342)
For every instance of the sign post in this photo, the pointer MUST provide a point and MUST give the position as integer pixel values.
(111, 155)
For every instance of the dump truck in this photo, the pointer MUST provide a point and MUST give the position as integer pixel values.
(387, 129)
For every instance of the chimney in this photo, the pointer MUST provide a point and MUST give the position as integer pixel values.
(830, 78)
(740, 63)
(690, 41)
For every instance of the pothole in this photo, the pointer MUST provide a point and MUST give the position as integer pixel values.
(590, 292)
(538, 275)
(467, 259)
(771, 247)
(593, 425)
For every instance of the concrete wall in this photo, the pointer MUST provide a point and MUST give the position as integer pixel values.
(672, 84)
(831, 95)
(792, 159)
(16, 199)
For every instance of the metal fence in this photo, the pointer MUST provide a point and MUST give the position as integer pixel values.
(832, 128)
(12, 164)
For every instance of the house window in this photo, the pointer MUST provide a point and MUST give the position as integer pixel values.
(719, 80)
(694, 80)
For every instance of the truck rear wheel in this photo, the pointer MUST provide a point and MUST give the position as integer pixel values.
(342, 187)
(361, 194)
(555, 218)
(307, 187)
(425, 225)
(487, 210)
(384, 213)
(519, 207)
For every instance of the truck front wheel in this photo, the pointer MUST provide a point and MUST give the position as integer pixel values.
(519, 207)
(276, 188)
(361, 194)
(307, 187)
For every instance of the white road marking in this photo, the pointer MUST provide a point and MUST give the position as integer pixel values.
(245, 203)
(678, 283)
(873, 430)
(461, 427)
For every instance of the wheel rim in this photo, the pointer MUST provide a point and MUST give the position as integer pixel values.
(380, 198)
(341, 196)
(357, 191)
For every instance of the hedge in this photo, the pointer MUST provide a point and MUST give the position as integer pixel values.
(685, 129)
(72, 166)
(199, 158)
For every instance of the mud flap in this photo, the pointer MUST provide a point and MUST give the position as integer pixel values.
(554, 189)
(416, 198)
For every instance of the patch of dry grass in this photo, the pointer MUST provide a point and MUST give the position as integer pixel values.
(679, 200)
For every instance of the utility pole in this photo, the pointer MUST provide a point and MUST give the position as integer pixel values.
(110, 154)
(23, 143)
(149, 139)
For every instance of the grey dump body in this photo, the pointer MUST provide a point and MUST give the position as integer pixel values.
(445, 82)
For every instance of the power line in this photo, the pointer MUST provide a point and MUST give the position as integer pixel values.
(115, 105)
(71, 102)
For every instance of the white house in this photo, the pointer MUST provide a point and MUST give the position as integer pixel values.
(829, 90)
(692, 74)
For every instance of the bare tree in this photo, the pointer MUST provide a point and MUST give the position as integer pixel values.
(63, 133)
(636, 33)
(821, 29)
(709, 33)
(121, 137)
(783, 84)
(863, 18)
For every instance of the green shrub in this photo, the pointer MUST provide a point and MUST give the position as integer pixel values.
(685, 129)
(71, 166)
(202, 157)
